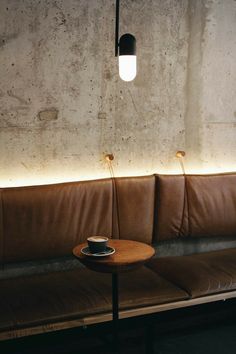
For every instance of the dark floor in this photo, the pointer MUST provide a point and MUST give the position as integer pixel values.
(205, 329)
(218, 340)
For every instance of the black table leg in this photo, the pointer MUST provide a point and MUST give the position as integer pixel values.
(115, 310)
(149, 340)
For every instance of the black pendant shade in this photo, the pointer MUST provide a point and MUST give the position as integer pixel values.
(127, 44)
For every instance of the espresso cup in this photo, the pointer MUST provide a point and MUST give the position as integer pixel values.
(97, 243)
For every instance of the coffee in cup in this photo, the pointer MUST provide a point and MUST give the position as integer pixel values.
(97, 243)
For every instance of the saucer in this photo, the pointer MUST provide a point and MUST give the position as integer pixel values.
(107, 252)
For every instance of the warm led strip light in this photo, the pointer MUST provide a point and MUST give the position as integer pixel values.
(22, 180)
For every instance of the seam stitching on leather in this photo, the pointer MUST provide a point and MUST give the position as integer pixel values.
(154, 209)
(115, 206)
(184, 204)
(187, 198)
(155, 216)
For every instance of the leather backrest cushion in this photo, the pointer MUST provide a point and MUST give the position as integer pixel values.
(171, 208)
(135, 201)
(212, 205)
(48, 221)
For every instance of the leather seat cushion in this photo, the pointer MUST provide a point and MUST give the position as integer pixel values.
(199, 274)
(58, 296)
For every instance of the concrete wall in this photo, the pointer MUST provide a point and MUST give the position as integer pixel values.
(63, 106)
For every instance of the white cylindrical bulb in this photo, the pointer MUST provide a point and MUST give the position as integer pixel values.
(127, 67)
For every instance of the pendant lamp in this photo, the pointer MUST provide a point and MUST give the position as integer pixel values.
(125, 49)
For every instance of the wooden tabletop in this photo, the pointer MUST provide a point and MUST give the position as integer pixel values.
(128, 255)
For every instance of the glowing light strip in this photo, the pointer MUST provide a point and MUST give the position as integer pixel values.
(129, 172)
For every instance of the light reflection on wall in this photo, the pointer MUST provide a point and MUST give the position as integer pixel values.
(210, 167)
(21, 179)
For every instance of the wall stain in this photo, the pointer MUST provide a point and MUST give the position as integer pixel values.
(26, 167)
(107, 74)
(48, 115)
(5, 38)
(135, 107)
(18, 98)
(102, 115)
(196, 17)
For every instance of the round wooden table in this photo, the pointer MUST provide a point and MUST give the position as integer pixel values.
(128, 256)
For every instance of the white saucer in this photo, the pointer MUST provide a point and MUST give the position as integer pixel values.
(107, 252)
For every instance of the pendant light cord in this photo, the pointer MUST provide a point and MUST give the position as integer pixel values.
(180, 156)
(117, 27)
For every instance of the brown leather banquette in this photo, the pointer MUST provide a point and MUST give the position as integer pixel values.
(191, 220)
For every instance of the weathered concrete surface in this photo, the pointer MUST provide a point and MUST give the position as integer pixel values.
(210, 118)
(219, 88)
(63, 106)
